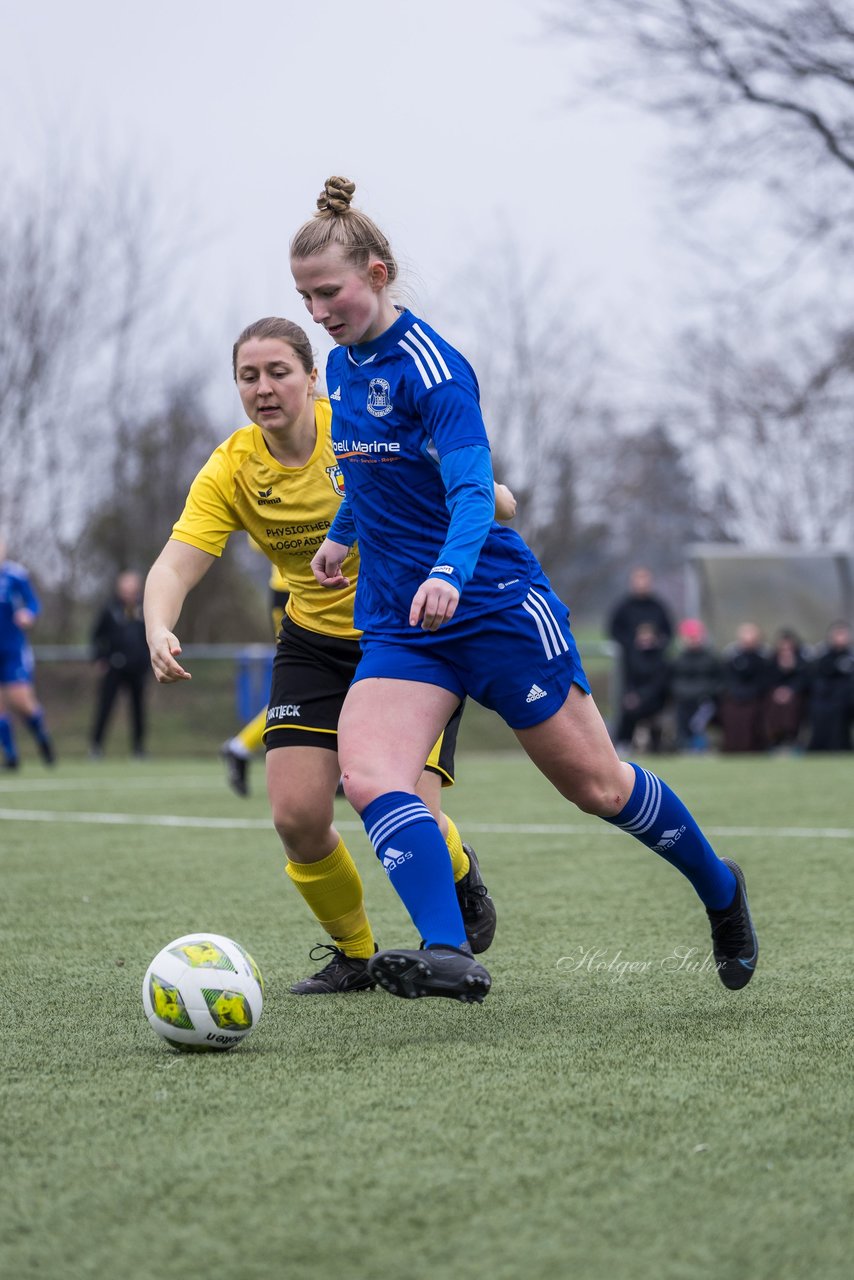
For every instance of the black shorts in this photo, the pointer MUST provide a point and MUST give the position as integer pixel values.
(311, 676)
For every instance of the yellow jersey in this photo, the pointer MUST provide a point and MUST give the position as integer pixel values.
(278, 581)
(287, 511)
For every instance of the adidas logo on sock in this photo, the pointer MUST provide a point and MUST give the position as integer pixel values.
(336, 394)
(535, 693)
(395, 858)
(667, 839)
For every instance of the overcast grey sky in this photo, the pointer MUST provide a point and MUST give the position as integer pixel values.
(451, 117)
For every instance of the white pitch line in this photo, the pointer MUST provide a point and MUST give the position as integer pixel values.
(23, 785)
(483, 828)
(134, 819)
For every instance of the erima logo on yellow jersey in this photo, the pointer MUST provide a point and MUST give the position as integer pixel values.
(264, 499)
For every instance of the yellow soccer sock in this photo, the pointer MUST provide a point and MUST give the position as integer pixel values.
(332, 888)
(252, 734)
(459, 858)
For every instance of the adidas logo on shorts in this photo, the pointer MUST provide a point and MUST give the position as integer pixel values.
(535, 693)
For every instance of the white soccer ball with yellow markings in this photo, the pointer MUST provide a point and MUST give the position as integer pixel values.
(203, 993)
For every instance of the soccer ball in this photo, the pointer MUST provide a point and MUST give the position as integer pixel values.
(203, 992)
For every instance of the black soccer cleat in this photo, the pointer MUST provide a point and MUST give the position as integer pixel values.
(46, 751)
(436, 970)
(477, 908)
(343, 975)
(734, 940)
(236, 769)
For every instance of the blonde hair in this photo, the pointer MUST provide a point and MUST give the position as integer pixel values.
(336, 222)
(276, 327)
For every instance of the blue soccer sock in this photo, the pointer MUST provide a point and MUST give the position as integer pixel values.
(409, 845)
(658, 818)
(7, 740)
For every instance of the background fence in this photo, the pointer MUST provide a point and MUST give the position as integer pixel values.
(229, 685)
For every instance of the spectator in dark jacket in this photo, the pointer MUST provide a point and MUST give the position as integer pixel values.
(831, 692)
(639, 605)
(645, 689)
(121, 654)
(696, 678)
(786, 699)
(747, 678)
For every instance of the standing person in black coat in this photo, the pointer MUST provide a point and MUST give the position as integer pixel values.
(645, 689)
(831, 692)
(120, 651)
(747, 678)
(696, 679)
(786, 699)
(640, 604)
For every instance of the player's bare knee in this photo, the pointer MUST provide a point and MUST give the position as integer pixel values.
(362, 786)
(356, 789)
(292, 823)
(599, 797)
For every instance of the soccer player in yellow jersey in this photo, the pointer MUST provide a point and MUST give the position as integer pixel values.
(278, 479)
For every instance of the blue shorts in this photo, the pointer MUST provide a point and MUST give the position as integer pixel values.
(520, 661)
(17, 665)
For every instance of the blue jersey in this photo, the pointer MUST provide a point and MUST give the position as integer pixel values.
(402, 409)
(16, 592)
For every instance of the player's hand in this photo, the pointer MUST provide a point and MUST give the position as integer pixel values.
(23, 618)
(434, 602)
(505, 502)
(164, 648)
(327, 562)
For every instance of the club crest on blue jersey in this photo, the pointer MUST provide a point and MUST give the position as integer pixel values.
(336, 479)
(379, 397)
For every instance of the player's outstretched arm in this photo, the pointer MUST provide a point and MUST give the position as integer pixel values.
(171, 578)
(326, 564)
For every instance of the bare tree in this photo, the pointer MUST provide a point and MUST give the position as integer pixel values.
(770, 432)
(48, 261)
(760, 389)
(765, 88)
(86, 280)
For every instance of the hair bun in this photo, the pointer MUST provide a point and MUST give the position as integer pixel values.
(336, 195)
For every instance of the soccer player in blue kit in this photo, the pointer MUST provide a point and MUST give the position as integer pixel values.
(19, 608)
(451, 603)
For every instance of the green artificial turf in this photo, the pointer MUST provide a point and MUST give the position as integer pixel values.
(589, 1120)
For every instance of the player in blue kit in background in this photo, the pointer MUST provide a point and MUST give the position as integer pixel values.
(19, 608)
(451, 603)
